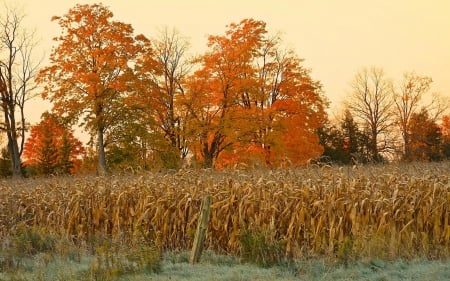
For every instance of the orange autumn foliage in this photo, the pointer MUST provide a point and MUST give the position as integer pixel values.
(249, 101)
(445, 127)
(52, 148)
(90, 71)
(253, 103)
(425, 137)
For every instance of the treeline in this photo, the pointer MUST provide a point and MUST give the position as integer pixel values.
(385, 121)
(349, 143)
(146, 103)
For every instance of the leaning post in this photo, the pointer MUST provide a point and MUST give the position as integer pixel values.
(200, 234)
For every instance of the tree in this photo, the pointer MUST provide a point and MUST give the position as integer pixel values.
(52, 148)
(215, 88)
(350, 131)
(445, 127)
(67, 152)
(445, 130)
(424, 138)
(407, 100)
(91, 70)
(17, 73)
(170, 50)
(162, 72)
(346, 143)
(250, 101)
(47, 155)
(297, 110)
(371, 102)
(132, 143)
(356, 141)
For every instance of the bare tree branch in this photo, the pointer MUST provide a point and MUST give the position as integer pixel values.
(17, 73)
(371, 103)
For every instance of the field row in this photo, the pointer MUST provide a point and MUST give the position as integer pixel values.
(381, 212)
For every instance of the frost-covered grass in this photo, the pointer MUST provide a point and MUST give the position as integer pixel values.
(175, 266)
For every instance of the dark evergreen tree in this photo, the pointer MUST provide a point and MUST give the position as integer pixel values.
(346, 144)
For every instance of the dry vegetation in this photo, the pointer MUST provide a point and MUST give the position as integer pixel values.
(345, 213)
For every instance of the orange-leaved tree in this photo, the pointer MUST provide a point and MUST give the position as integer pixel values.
(89, 71)
(424, 137)
(215, 92)
(445, 127)
(445, 130)
(291, 107)
(252, 102)
(407, 100)
(52, 148)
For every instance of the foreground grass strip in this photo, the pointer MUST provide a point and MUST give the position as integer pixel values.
(216, 267)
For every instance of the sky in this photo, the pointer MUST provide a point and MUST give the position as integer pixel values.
(336, 38)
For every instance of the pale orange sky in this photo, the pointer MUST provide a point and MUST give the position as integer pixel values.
(336, 38)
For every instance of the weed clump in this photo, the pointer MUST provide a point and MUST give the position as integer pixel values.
(32, 240)
(260, 247)
(115, 259)
(25, 242)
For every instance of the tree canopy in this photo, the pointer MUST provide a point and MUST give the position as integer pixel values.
(252, 101)
(247, 100)
(90, 69)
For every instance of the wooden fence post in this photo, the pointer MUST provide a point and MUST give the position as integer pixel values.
(202, 224)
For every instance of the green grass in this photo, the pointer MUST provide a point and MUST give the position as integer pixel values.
(175, 266)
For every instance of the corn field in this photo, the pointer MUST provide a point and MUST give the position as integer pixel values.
(387, 211)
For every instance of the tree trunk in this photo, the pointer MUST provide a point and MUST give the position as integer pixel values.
(101, 166)
(374, 146)
(407, 153)
(13, 147)
(208, 158)
(16, 164)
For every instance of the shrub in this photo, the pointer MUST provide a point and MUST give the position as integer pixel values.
(114, 259)
(261, 248)
(32, 240)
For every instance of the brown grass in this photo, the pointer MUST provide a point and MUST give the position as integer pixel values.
(378, 211)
